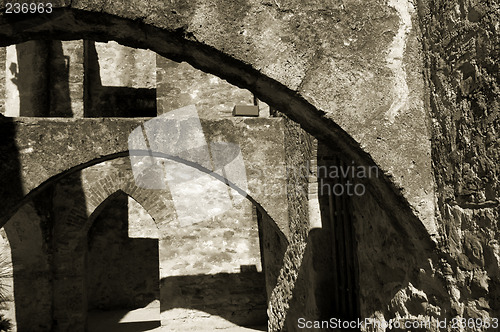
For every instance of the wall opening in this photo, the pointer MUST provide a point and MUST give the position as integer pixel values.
(337, 219)
(212, 275)
(122, 268)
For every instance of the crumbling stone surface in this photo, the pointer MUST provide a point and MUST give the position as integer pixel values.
(42, 149)
(2, 80)
(287, 300)
(462, 49)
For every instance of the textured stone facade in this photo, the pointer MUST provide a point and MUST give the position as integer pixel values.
(461, 47)
(409, 88)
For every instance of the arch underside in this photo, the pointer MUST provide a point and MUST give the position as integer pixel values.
(77, 200)
(179, 45)
(272, 79)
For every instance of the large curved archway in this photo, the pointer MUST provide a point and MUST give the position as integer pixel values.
(122, 269)
(278, 91)
(71, 23)
(76, 202)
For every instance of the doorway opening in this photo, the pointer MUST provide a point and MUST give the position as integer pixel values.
(122, 268)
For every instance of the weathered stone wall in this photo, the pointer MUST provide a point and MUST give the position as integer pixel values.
(66, 61)
(2, 79)
(179, 85)
(293, 295)
(462, 49)
(120, 81)
(49, 147)
(122, 272)
(399, 276)
(237, 298)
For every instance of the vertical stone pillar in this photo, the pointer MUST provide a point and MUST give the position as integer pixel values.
(26, 79)
(2, 80)
(66, 79)
(314, 208)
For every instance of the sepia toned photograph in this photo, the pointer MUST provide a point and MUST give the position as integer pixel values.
(250, 165)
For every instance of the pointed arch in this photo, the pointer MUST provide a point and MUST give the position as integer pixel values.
(147, 206)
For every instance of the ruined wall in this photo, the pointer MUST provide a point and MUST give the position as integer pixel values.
(179, 85)
(122, 271)
(120, 81)
(293, 295)
(42, 141)
(462, 48)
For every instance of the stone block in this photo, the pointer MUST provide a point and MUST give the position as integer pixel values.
(246, 110)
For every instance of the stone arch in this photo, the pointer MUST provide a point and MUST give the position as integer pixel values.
(122, 267)
(278, 89)
(97, 210)
(96, 194)
(112, 184)
(132, 26)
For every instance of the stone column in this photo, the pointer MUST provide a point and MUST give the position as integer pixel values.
(26, 79)
(2, 80)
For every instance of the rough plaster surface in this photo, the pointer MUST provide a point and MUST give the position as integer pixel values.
(45, 152)
(461, 48)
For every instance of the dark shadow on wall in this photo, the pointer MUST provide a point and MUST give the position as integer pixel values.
(10, 181)
(69, 214)
(390, 267)
(337, 221)
(59, 91)
(110, 321)
(237, 297)
(31, 77)
(122, 272)
(29, 313)
(110, 101)
(327, 283)
(28, 231)
(41, 76)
